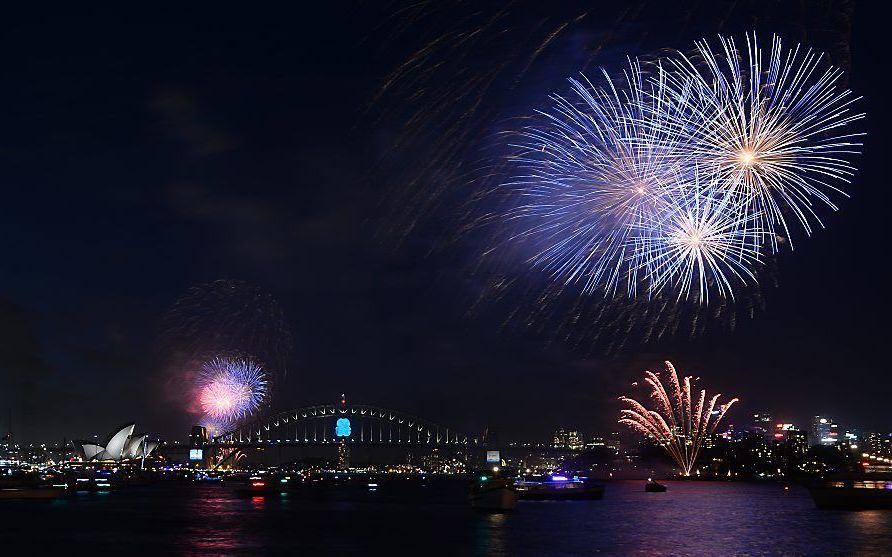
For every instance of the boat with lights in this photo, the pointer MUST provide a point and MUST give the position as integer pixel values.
(558, 488)
(492, 491)
(853, 491)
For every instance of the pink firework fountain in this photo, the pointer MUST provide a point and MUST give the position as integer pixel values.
(678, 424)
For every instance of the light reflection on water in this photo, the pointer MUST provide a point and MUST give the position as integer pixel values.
(220, 528)
(692, 518)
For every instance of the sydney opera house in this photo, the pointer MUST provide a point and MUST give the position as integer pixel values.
(121, 445)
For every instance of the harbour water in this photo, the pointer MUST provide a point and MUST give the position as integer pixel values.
(691, 518)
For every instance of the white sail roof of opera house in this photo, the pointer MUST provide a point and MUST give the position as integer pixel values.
(122, 444)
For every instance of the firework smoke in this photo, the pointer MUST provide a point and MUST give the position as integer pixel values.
(223, 316)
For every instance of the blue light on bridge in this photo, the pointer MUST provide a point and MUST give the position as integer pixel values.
(342, 427)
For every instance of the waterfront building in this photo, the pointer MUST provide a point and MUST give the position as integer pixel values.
(122, 444)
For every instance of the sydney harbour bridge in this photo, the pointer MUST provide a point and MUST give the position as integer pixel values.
(356, 424)
(304, 432)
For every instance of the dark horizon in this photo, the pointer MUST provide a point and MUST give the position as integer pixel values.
(146, 154)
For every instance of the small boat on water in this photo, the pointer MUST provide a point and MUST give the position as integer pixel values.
(491, 492)
(207, 478)
(853, 491)
(654, 487)
(558, 488)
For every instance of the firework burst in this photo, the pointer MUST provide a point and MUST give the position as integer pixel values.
(701, 242)
(678, 423)
(593, 172)
(773, 127)
(231, 389)
(675, 180)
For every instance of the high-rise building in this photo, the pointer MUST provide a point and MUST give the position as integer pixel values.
(795, 445)
(763, 421)
(824, 431)
(343, 455)
(877, 443)
(851, 440)
(872, 442)
(560, 439)
(613, 441)
(568, 439)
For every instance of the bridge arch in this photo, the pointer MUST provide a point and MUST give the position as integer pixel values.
(368, 425)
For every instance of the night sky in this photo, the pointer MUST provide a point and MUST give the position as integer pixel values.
(144, 153)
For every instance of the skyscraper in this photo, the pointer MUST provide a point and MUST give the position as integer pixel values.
(824, 431)
(568, 439)
(763, 421)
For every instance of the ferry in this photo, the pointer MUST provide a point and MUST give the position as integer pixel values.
(494, 492)
(853, 491)
(558, 488)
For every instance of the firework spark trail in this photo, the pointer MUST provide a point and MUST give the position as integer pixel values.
(674, 424)
(231, 389)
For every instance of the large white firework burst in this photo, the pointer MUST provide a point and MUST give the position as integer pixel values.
(773, 126)
(701, 242)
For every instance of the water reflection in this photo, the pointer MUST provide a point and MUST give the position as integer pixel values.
(869, 523)
(491, 533)
(223, 525)
(701, 518)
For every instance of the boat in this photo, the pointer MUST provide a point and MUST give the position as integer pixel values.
(207, 478)
(853, 491)
(654, 487)
(493, 493)
(89, 481)
(558, 488)
(272, 484)
(258, 485)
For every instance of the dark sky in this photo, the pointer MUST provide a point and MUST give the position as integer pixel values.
(144, 153)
